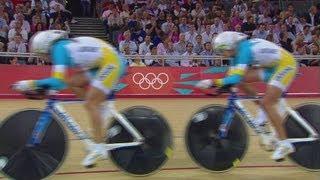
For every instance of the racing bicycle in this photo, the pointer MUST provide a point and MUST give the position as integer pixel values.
(217, 139)
(33, 142)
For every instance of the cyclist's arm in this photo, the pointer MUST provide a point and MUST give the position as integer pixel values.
(236, 73)
(60, 59)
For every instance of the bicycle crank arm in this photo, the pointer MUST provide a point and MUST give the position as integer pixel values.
(297, 140)
(120, 145)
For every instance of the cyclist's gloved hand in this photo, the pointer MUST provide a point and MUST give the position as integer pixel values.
(23, 86)
(205, 84)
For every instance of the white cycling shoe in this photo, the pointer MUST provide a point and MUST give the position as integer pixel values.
(283, 149)
(96, 152)
(268, 142)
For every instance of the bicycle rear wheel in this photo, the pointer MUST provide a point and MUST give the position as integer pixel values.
(149, 156)
(205, 146)
(21, 162)
(307, 154)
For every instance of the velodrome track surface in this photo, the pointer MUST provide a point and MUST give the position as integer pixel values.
(256, 164)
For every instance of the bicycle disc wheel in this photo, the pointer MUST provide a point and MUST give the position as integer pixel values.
(149, 156)
(30, 163)
(204, 145)
(307, 154)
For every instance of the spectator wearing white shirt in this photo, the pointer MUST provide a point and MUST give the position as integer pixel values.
(25, 24)
(44, 4)
(198, 12)
(217, 26)
(173, 62)
(181, 46)
(149, 60)
(208, 51)
(3, 30)
(18, 30)
(261, 32)
(207, 35)
(241, 7)
(183, 27)
(168, 25)
(144, 47)
(301, 23)
(264, 18)
(198, 45)
(132, 45)
(17, 45)
(191, 34)
(307, 34)
(187, 60)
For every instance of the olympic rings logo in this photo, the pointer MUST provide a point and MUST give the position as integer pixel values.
(150, 80)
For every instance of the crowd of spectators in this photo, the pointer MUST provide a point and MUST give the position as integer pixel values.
(20, 19)
(187, 27)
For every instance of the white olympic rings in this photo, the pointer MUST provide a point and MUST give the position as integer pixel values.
(151, 80)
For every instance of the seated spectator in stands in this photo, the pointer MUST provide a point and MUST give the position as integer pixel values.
(207, 35)
(301, 23)
(58, 16)
(313, 17)
(314, 50)
(284, 29)
(37, 27)
(248, 27)
(3, 30)
(198, 12)
(57, 9)
(3, 14)
(237, 28)
(26, 10)
(174, 34)
(191, 34)
(198, 45)
(138, 34)
(149, 59)
(42, 3)
(174, 62)
(159, 63)
(168, 25)
(217, 26)
(18, 30)
(18, 10)
(286, 42)
(127, 41)
(302, 51)
(241, 7)
(125, 13)
(144, 47)
(137, 62)
(181, 46)
(25, 24)
(264, 18)
(183, 26)
(261, 32)
(39, 13)
(265, 6)
(207, 52)
(14, 61)
(162, 47)
(18, 46)
(187, 56)
(235, 19)
(307, 34)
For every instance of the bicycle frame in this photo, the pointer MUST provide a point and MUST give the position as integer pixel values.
(54, 107)
(235, 104)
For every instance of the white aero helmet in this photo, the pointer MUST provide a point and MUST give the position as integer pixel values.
(228, 40)
(41, 41)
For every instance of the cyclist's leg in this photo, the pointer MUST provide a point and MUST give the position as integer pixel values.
(279, 82)
(78, 82)
(251, 76)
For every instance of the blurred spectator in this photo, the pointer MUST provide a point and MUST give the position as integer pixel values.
(207, 52)
(168, 25)
(265, 18)
(138, 34)
(285, 41)
(307, 34)
(149, 60)
(174, 34)
(41, 3)
(217, 26)
(86, 7)
(137, 62)
(17, 45)
(181, 46)
(163, 46)
(3, 14)
(207, 35)
(235, 19)
(38, 15)
(144, 47)
(25, 24)
(198, 45)
(248, 27)
(3, 29)
(198, 12)
(127, 41)
(18, 30)
(37, 27)
(313, 16)
(14, 61)
(183, 27)
(191, 34)
(261, 32)
(187, 56)
(265, 7)
(170, 52)
(240, 7)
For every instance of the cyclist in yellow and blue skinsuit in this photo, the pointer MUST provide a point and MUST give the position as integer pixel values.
(101, 67)
(277, 68)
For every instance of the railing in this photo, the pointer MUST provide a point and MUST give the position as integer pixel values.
(160, 57)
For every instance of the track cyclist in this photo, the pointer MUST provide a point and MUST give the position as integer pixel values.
(258, 60)
(100, 66)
